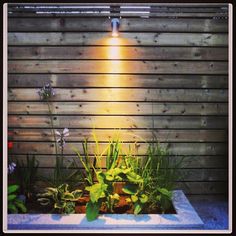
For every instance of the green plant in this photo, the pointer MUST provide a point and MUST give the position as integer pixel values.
(148, 181)
(15, 204)
(102, 191)
(159, 175)
(26, 175)
(60, 198)
(101, 182)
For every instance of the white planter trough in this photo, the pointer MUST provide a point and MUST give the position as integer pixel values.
(186, 218)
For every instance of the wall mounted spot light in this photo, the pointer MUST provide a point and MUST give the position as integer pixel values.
(115, 24)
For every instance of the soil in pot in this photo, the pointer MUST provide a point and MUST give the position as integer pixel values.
(122, 207)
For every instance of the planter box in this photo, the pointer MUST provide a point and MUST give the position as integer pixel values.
(186, 218)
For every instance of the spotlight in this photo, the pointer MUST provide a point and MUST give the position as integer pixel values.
(115, 24)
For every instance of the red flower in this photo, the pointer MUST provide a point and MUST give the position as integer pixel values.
(10, 145)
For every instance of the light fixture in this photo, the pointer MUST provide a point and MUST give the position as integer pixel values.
(115, 24)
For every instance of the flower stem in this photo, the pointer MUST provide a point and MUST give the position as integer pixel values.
(57, 169)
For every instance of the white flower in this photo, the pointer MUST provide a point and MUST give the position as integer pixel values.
(61, 139)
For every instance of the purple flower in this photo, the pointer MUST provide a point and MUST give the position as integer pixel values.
(11, 168)
(46, 92)
(61, 139)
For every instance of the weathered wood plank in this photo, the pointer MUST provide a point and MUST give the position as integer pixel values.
(119, 108)
(121, 52)
(115, 94)
(144, 81)
(118, 67)
(156, 39)
(138, 122)
(187, 162)
(126, 24)
(203, 187)
(183, 174)
(139, 148)
(131, 135)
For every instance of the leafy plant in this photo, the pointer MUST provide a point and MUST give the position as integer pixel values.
(159, 175)
(101, 183)
(102, 191)
(60, 198)
(148, 181)
(15, 204)
(26, 175)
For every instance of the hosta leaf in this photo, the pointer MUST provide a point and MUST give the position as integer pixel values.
(109, 177)
(92, 210)
(96, 191)
(130, 189)
(60, 205)
(68, 196)
(134, 179)
(12, 188)
(143, 198)
(70, 208)
(51, 190)
(47, 194)
(43, 201)
(77, 194)
(115, 196)
(63, 188)
(134, 198)
(128, 200)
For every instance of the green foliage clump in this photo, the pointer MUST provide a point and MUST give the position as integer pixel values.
(15, 205)
(148, 181)
(60, 198)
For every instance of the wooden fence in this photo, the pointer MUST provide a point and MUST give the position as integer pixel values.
(166, 73)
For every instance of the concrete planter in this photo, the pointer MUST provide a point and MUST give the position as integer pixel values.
(186, 218)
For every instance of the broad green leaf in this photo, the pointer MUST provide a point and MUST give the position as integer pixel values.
(143, 198)
(12, 188)
(137, 208)
(109, 177)
(11, 197)
(97, 191)
(92, 210)
(134, 198)
(133, 177)
(100, 176)
(125, 170)
(158, 198)
(128, 200)
(115, 196)
(130, 189)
